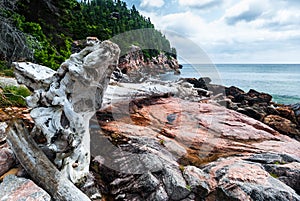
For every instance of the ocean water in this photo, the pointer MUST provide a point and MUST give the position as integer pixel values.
(282, 81)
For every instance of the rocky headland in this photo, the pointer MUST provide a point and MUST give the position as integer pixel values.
(182, 140)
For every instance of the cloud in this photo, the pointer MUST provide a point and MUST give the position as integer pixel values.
(246, 10)
(248, 31)
(202, 4)
(283, 20)
(152, 3)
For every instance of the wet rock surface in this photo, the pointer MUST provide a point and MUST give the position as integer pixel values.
(202, 152)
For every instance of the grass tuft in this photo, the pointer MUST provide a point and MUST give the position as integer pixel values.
(13, 96)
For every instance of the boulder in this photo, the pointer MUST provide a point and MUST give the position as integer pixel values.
(283, 125)
(296, 108)
(236, 179)
(198, 83)
(255, 112)
(18, 189)
(287, 112)
(250, 98)
(7, 159)
(288, 173)
(256, 97)
(283, 118)
(236, 94)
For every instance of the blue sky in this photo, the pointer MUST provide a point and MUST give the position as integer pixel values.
(229, 31)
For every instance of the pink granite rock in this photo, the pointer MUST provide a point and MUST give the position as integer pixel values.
(7, 159)
(18, 189)
(222, 154)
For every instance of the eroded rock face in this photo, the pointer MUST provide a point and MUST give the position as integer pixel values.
(17, 189)
(63, 101)
(173, 149)
(137, 68)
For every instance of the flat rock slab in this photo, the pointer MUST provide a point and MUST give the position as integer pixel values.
(19, 189)
(197, 151)
(6, 81)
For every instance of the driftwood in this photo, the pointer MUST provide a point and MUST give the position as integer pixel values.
(39, 167)
(63, 102)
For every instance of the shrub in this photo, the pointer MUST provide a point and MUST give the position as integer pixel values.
(5, 69)
(14, 96)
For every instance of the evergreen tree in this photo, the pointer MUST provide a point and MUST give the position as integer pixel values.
(43, 30)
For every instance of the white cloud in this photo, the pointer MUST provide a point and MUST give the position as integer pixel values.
(152, 3)
(246, 10)
(199, 4)
(285, 19)
(260, 31)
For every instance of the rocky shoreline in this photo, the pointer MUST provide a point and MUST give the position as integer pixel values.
(182, 140)
(170, 146)
(257, 105)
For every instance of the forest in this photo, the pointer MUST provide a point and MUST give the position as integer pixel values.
(42, 31)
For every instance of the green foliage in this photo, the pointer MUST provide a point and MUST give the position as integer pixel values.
(146, 54)
(13, 96)
(51, 26)
(181, 168)
(280, 163)
(5, 69)
(8, 73)
(274, 175)
(188, 187)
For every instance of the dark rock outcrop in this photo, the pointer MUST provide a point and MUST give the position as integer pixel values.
(283, 118)
(202, 82)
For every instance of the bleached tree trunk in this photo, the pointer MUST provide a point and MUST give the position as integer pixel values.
(64, 101)
(40, 168)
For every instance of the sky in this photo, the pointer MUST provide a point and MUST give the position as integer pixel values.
(228, 31)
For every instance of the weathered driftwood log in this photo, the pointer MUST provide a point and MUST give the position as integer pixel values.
(63, 102)
(42, 171)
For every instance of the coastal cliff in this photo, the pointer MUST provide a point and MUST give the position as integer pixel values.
(136, 66)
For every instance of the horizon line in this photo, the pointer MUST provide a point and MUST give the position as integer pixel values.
(241, 63)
